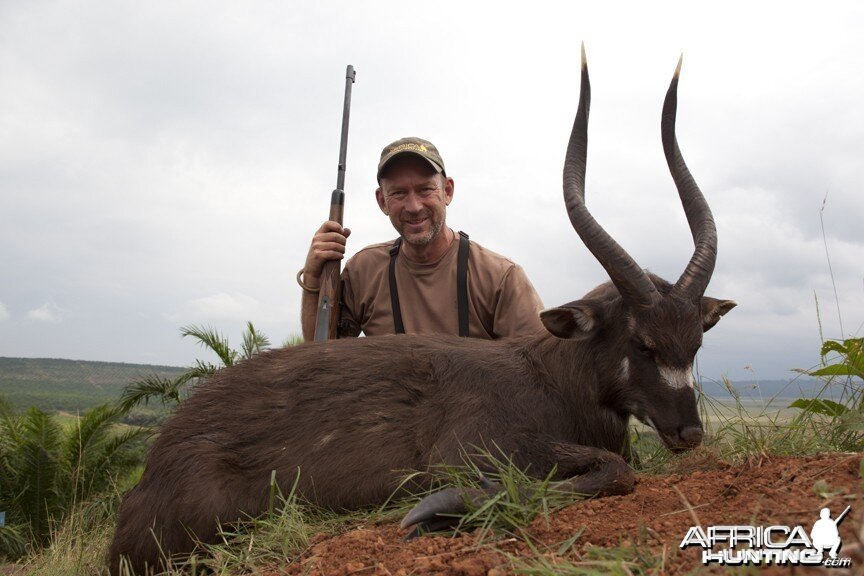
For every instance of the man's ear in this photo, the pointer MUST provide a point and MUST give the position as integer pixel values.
(449, 188)
(575, 321)
(379, 196)
(714, 309)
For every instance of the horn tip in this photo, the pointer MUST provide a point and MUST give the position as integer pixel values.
(678, 68)
(584, 58)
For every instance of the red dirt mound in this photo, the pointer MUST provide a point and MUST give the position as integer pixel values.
(653, 520)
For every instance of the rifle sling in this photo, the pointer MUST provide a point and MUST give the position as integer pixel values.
(461, 285)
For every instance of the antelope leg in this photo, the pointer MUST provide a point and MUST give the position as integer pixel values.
(591, 471)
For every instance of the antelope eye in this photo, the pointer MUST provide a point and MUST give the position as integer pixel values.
(644, 350)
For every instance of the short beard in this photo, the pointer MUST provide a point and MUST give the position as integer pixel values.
(428, 238)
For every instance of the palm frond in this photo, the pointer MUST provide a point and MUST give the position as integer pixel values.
(13, 543)
(88, 428)
(203, 370)
(39, 499)
(107, 460)
(254, 342)
(211, 339)
(153, 386)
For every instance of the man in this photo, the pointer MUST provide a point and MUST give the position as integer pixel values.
(414, 285)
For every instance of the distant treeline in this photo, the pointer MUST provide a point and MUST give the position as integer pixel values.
(70, 385)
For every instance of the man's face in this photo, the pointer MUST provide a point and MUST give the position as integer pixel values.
(415, 197)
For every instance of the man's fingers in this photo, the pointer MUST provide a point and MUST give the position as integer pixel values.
(331, 226)
(328, 243)
(321, 247)
(329, 237)
(331, 255)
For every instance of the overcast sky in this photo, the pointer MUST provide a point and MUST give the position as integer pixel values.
(166, 163)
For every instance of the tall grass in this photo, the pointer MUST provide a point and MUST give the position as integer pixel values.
(511, 497)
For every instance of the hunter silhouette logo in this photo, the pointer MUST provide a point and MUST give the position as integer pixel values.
(766, 545)
(826, 533)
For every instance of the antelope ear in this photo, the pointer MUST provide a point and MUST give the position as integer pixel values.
(576, 321)
(713, 309)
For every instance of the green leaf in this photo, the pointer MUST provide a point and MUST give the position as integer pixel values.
(833, 346)
(835, 370)
(210, 338)
(852, 364)
(152, 386)
(253, 342)
(39, 498)
(819, 406)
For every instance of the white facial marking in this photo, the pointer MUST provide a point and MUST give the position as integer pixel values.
(624, 370)
(676, 378)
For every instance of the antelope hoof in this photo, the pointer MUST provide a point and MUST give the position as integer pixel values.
(443, 510)
(435, 512)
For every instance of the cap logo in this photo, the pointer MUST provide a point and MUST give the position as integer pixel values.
(409, 146)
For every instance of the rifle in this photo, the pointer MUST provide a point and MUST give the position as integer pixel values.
(842, 516)
(328, 299)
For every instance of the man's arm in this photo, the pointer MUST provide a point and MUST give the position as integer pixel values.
(308, 312)
(328, 243)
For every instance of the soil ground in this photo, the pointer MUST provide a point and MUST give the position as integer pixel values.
(651, 522)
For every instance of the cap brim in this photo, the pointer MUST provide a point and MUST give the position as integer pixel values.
(388, 159)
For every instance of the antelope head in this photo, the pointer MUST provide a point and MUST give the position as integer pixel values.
(659, 326)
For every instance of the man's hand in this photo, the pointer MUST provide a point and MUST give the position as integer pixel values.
(328, 243)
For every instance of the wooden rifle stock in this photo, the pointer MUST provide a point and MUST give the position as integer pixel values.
(327, 319)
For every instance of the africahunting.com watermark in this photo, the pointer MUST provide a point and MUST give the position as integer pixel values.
(767, 545)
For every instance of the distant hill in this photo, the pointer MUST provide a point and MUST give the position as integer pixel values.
(70, 385)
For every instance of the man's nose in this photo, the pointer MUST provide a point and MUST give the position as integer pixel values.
(412, 202)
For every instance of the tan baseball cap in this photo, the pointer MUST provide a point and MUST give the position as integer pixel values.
(411, 145)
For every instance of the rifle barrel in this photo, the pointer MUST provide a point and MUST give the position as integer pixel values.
(346, 113)
(842, 515)
(328, 298)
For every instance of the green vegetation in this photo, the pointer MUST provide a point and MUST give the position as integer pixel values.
(61, 475)
(840, 422)
(47, 469)
(508, 511)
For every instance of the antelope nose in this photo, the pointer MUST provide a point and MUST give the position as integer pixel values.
(691, 435)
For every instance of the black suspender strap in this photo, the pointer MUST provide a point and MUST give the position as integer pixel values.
(461, 285)
(398, 327)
